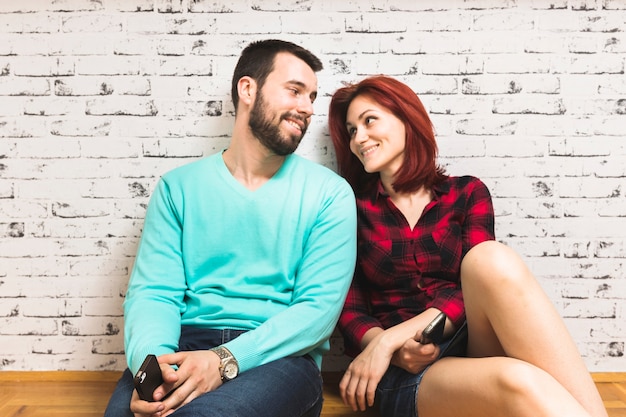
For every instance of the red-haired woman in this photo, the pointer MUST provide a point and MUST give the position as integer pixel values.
(426, 246)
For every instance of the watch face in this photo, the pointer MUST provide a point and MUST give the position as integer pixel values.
(230, 370)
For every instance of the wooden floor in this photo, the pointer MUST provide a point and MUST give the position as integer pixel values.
(85, 394)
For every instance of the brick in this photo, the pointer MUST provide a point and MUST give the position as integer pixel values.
(24, 87)
(96, 126)
(43, 66)
(211, 6)
(91, 326)
(129, 106)
(101, 98)
(28, 326)
(50, 308)
(17, 128)
(312, 24)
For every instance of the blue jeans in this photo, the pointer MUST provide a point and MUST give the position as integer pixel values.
(396, 394)
(289, 387)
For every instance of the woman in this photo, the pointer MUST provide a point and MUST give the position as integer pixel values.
(427, 245)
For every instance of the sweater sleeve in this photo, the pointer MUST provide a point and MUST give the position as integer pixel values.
(154, 300)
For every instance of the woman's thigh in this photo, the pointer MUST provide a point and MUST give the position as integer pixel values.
(478, 387)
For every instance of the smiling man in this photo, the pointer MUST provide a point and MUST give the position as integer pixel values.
(245, 260)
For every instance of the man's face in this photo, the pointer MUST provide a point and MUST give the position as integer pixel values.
(283, 107)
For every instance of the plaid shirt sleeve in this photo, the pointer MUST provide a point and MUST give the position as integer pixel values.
(402, 271)
(472, 196)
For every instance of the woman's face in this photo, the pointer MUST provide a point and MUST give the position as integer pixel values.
(377, 136)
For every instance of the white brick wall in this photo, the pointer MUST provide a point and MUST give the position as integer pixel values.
(98, 98)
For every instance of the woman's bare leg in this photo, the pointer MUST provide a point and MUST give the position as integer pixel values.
(493, 387)
(509, 314)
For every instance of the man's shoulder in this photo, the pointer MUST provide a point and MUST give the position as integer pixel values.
(312, 168)
(190, 169)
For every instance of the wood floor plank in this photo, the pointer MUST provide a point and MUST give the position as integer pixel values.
(81, 394)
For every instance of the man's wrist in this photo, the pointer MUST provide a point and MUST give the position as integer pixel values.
(229, 367)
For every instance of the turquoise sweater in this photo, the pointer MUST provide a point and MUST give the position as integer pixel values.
(277, 261)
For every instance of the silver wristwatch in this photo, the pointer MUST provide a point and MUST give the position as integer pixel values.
(229, 368)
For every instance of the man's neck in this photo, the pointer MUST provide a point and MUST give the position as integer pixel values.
(251, 163)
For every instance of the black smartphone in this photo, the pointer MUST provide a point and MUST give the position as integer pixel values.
(148, 378)
(433, 333)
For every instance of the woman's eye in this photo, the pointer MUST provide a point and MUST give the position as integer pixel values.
(369, 119)
(351, 131)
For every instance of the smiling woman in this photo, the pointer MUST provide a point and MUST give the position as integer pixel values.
(427, 246)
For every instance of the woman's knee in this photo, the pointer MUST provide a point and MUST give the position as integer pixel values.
(493, 264)
(522, 381)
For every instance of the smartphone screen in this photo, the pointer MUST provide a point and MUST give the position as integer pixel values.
(148, 378)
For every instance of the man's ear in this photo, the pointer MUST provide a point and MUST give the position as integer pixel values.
(247, 88)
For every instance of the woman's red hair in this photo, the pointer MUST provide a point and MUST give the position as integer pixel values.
(420, 167)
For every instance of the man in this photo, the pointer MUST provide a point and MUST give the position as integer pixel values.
(245, 260)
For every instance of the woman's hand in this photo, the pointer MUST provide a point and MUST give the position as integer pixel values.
(413, 356)
(358, 385)
(197, 373)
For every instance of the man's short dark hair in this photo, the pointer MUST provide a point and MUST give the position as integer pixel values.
(257, 61)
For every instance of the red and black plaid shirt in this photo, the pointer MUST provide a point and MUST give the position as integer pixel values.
(402, 272)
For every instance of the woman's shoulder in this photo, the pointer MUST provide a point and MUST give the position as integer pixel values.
(462, 181)
(462, 184)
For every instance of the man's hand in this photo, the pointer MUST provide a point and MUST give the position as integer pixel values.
(197, 373)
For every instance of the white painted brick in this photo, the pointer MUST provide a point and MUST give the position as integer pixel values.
(579, 147)
(98, 65)
(313, 23)
(545, 42)
(101, 98)
(83, 86)
(93, 126)
(103, 24)
(128, 106)
(103, 307)
(42, 66)
(266, 25)
(451, 65)
(590, 187)
(30, 267)
(548, 105)
(437, 21)
(211, 6)
(110, 148)
(29, 23)
(49, 148)
(18, 128)
(170, 6)
(52, 106)
(10, 86)
(427, 43)
(91, 326)
(184, 66)
(50, 307)
(375, 23)
(22, 209)
(107, 346)
(28, 326)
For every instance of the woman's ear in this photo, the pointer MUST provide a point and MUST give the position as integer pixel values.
(246, 87)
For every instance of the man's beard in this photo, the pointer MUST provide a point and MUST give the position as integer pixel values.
(268, 133)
